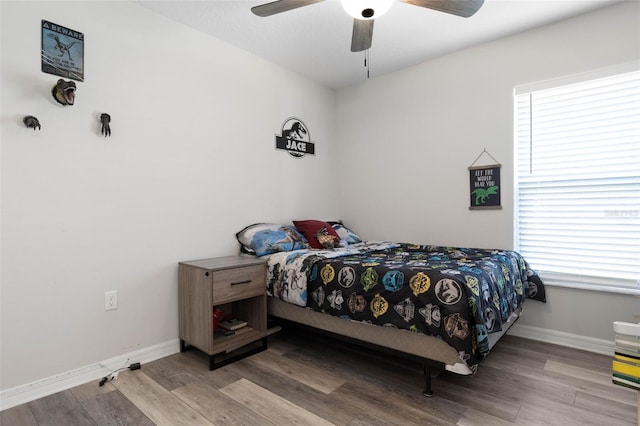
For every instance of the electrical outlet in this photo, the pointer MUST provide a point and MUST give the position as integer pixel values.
(110, 300)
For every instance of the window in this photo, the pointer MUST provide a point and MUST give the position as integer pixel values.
(577, 149)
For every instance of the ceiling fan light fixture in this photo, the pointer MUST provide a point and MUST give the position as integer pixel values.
(366, 9)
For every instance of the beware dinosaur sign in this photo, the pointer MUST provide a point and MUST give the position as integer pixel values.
(62, 51)
(484, 184)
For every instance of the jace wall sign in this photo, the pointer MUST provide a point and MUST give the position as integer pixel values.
(295, 138)
(62, 51)
(484, 185)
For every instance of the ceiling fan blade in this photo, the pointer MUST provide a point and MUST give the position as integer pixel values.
(464, 8)
(362, 34)
(280, 6)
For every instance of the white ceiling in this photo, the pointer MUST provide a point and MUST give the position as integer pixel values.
(315, 40)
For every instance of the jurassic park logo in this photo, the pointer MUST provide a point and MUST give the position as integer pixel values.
(295, 139)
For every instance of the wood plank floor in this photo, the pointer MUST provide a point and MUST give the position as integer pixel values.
(307, 379)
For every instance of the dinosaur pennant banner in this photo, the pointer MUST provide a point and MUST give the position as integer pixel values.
(295, 138)
(484, 184)
(62, 51)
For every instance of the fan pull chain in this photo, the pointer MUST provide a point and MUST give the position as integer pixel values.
(367, 61)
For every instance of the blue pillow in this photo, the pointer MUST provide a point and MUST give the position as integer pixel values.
(268, 238)
(346, 234)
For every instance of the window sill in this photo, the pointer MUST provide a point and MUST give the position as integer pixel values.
(557, 280)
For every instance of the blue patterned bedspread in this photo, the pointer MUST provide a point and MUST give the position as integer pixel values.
(457, 294)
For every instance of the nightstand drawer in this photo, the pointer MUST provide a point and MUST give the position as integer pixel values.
(238, 283)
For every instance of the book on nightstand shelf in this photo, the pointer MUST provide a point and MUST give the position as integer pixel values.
(232, 324)
(225, 332)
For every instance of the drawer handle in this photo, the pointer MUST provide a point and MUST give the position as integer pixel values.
(241, 282)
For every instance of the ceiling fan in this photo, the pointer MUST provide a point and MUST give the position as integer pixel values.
(365, 11)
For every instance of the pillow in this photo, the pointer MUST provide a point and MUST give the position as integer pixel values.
(346, 234)
(312, 228)
(268, 238)
(328, 242)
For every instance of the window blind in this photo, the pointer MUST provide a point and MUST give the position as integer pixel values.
(578, 182)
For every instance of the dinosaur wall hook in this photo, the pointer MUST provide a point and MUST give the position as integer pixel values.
(31, 122)
(64, 92)
(105, 119)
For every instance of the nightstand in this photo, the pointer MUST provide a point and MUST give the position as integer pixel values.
(235, 285)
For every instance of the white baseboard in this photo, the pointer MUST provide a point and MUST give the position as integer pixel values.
(50, 385)
(577, 341)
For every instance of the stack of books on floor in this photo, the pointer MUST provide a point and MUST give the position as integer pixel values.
(231, 327)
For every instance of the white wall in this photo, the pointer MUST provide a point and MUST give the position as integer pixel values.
(190, 162)
(407, 139)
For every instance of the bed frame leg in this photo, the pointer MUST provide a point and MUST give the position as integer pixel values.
(427, 382)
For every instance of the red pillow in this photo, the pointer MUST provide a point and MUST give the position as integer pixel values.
(310, 229)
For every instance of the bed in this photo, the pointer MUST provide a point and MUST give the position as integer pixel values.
(444, 306)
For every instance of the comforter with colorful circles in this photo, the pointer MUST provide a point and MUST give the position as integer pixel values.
(460, 295)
